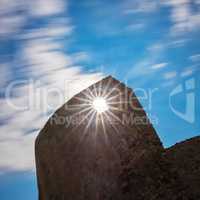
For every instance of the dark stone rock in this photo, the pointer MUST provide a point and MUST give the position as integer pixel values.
(185, 159)
(84, 156)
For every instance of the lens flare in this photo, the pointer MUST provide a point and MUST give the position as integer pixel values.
(100, 104)
(97, 106)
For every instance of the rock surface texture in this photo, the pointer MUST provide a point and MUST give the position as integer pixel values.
(115, 155)
(185, 158)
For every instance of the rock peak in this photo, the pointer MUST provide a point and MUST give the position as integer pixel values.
(84, 155)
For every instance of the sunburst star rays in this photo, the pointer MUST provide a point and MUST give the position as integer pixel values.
(98, 106)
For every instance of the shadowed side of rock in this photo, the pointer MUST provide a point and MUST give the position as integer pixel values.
(87, 160)
(184, 158)
(81, 155)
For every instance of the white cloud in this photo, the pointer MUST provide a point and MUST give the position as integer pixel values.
(180, 13)
(184, 18)
(81, 56)
(195, 58)
(174, 2)
(47, 32)
(42, 56)
(11, 24)
(135, 27)
(168, 83)
(11, 21)
(159, 65)
(145, 65)
(6, 110)
(42, 61)
(177, 43)
(189, 71)
(17, 154)
(46, 8)
(38, 8)
(16, 147)
(138, 6)
(5, 74)
(170, 75)
(156, 48)
(8, 6)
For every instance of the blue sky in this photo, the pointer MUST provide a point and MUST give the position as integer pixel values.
(153, 46)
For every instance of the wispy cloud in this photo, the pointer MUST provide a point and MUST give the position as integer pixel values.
(170, 75)
(43, 8)
(160, 65)
(52, 30)
(195, 58)
(146, 65)
(50, 77)
(14, 14)
(184, 18)
(5, 74)
(11, 24)
(187, 71)
(137, 6)
(135, 27)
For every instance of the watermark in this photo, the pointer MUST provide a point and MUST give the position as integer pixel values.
(34, 95)
(130, 119)
(187, 90)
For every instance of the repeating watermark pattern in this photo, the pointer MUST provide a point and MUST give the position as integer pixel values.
(188, 90)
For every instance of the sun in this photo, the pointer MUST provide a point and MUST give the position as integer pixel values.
(100, 104)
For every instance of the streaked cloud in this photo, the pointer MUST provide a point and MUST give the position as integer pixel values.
(135, 27)
(187, 71)
(159, 65)
(146, 65)
(46, 8)
(170, 75)
(56, 30)
(178, 43)
(137, 6)
(168, 83)
(16, 154)
(184, 18)
(195, 58)
(11, 24)
(5, 74)
(81, 57)
(48, 77)
(15, 13)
